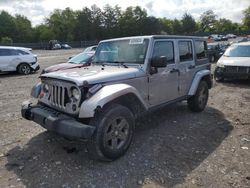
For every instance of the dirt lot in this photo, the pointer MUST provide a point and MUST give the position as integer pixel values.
(172, 146)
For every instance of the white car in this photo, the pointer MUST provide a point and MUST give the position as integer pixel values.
(17, 59)
(235, 62)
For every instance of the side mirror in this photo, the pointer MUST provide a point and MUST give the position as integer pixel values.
(158, 62)
(70, 57)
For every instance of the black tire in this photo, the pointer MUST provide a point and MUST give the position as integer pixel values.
(198, 102)
(114, 132)
(24, 68)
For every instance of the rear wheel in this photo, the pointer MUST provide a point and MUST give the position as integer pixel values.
(24, 68)
(114, 132)
(198, 102)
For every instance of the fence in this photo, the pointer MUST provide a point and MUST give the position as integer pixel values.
(44, 45)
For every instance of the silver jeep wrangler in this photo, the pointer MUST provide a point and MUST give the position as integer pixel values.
(129, 76)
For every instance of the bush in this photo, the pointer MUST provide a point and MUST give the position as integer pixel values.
(6, 40)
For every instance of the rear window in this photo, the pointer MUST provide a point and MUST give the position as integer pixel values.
(200, 49)
(185, 51)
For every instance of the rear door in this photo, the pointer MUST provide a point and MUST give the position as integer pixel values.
(186, 64)
(5, 59)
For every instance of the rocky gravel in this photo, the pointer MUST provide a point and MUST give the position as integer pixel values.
(172, 147)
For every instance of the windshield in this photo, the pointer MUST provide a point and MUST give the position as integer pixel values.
(81, 58)
(131, 51)
(238, 51)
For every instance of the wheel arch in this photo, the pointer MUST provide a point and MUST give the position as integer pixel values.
(201, 75)
(123, 94)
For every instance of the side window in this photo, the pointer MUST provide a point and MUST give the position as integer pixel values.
(21, 52)
(164, 48)
(185, 51)
(200, 48)
(5, 52)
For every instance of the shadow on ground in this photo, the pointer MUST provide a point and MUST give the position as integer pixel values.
(16, 74)
(237, 83)
(167, 146)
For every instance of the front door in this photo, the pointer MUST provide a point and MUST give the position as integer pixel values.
(163, 83)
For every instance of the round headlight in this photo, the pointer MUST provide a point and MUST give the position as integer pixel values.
(75, 93)
(45, 88)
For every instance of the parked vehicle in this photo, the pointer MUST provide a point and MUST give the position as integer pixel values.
(235, 63)
(129, 76)
(81, 60)
(90, 48)
(231, 36)
(18, 59)
(65, 46)
(215, 51)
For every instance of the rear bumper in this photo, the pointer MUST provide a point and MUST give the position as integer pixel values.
(56, 121)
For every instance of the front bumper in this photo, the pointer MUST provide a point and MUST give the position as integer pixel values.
(56, 121)
(35, 67)
(232, 73)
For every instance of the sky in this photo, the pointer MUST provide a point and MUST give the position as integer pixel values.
(37, 10)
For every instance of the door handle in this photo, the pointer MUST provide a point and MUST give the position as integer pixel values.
(191, 66)
(174, 70)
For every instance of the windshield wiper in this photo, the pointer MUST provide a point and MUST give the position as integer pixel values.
(121, 63)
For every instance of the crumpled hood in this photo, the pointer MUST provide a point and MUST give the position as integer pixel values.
(235, 61)
(62, 66)
(96, 74)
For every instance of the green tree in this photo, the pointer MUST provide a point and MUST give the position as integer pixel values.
(43, 33)
(208, 20)
(224, 25)
(177, 27)
(83, 24)
(62, 23)
(7, 25)
(166, 25)
(246, 19)
(6, 40)
(188, 24)
(111, 18)
(23, 31)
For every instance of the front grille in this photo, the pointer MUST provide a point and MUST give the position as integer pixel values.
(237, 69)
(58, 96)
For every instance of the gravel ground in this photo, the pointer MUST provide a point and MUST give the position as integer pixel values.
(172, 147)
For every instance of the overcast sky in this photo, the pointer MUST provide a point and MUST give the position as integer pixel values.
(37, 10)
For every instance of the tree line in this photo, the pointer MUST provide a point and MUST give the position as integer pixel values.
(110, 22)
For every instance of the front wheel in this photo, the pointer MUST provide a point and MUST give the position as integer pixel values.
(198, 102)
(114, 132)
(24, 68)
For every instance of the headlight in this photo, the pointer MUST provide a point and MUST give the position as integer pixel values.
(220, 64)
(75, 93)
(45, 88)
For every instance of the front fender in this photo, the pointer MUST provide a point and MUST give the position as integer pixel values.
(105, 95)
(198, 76)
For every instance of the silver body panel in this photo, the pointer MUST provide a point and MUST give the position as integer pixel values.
(151, 89)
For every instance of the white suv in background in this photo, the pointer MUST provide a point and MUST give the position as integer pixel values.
(17, 59)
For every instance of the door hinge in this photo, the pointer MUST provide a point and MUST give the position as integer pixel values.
(148, 79)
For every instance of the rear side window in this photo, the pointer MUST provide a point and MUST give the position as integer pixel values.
(185, 51)
(6, 52)
(164, 48)
(200, 49)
